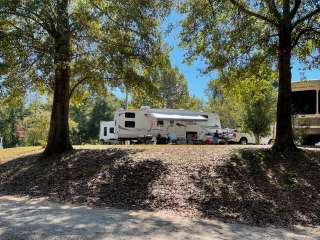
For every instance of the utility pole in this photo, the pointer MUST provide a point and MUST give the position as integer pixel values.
(127, 98)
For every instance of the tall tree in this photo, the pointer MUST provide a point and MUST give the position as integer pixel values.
(63, 47)
(250, 94)
(171, 89)
(88, 115)
(230, 32)
(36, 123)
(10, 115)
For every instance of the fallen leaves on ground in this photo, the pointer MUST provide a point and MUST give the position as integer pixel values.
(232, 183)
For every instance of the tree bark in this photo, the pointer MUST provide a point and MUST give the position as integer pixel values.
(58, 140)
(284, 136)
(257, 138)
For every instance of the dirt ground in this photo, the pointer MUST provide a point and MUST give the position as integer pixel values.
(38, 219)
(245, 184)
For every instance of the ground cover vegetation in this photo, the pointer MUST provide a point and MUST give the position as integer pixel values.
(233, 183)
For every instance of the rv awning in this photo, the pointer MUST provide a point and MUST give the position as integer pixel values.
(178, 116)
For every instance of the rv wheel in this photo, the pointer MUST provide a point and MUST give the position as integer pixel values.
(271, 142)
(243, 141)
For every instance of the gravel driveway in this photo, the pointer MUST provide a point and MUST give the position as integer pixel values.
(25, 219)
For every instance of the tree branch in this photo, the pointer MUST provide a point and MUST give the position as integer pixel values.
(286, 10)
(76, 85)
(251, 13)
(116, 22)
(308, 16)
(273, 8)
(301, 33)
(295, 8)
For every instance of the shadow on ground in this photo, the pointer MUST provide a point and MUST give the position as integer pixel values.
(38, 219)
(262, 187)
(95, 177)
(254, 186)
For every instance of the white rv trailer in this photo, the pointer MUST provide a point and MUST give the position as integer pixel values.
(306, 108)
(148, 123)
(1, 143)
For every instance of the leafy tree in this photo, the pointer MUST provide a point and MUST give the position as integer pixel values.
(64, 47)
(231, 33)
(9, 119)
(88, 115)
(193, 103)
(171, 89)
(258, 116)
(224, 109)
(249, 96)
(36, 124)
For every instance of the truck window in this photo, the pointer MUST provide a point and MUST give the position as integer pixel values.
(105, 131)
(111, 130)
(129, 124)
(304, 102)
(130, 115)
(160, 123)
(205, 116)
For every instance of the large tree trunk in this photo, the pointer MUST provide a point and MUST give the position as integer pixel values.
(58, 140)
(257, 138)
(284, 137)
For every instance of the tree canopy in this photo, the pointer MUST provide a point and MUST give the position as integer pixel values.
(248, 95)
(64, 48)
(170, 90)
(230, 33)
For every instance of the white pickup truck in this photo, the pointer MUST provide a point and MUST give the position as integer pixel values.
(228, 135)
(235, 136)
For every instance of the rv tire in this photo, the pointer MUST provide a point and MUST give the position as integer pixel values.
(243, 141)
(271, 141)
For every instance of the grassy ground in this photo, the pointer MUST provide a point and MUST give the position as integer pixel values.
(10, 153)
(234, 183)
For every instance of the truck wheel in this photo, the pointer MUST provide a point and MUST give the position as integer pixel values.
(271, 142)
(243, 141)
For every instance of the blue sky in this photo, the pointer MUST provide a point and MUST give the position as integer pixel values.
(197, 81)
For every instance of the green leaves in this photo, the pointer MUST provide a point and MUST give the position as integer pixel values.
(113, 43)
(247, 97)
(169, 90)
(219, 32)
(229, 33)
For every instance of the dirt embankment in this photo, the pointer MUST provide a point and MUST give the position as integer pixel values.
(246, 185)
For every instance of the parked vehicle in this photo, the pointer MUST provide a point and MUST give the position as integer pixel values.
(1, 143)
(306, 109)
(146, 124)
(236, 136)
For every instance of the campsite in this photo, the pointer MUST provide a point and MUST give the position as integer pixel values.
(159, 119)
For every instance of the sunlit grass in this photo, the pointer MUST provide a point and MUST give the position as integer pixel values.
(10, 153)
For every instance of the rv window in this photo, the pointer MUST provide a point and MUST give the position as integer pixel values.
(129, 124)
(304, 102)
(171, 123)
(160, 123)
(130, 115)
(111, 130)
(105, 131)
